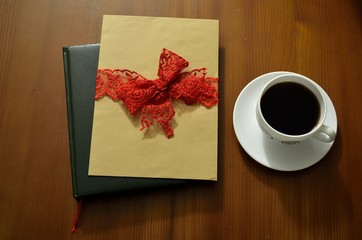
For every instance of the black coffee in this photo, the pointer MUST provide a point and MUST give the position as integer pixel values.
(290, 108)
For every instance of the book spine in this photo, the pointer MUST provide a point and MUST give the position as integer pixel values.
(68, 89)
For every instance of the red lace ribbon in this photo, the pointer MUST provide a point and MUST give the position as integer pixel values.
(153, 97)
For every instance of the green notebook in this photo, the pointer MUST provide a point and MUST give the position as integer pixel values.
(80, 68)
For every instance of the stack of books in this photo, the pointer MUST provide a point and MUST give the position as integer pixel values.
(109, 153)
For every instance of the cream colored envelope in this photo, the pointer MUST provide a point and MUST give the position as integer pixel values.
(118, 146)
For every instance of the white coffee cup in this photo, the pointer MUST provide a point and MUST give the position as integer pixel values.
(291, 109)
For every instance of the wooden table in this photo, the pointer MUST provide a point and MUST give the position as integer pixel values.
(319, 39)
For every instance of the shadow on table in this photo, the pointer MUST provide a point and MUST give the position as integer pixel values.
(163, 207)
(314, 199)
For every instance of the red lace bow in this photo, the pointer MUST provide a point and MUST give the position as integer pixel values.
(153, 97)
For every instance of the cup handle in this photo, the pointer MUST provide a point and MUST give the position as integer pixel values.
(325, 134)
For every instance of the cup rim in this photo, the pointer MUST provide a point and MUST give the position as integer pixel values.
(321, 101)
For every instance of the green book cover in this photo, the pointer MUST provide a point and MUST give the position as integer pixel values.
(80, 69)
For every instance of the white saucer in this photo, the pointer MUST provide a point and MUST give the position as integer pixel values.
(269, 153)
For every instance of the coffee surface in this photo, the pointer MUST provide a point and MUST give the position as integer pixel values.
(290, 108)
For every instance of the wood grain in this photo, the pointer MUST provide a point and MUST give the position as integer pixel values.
(319, 39)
